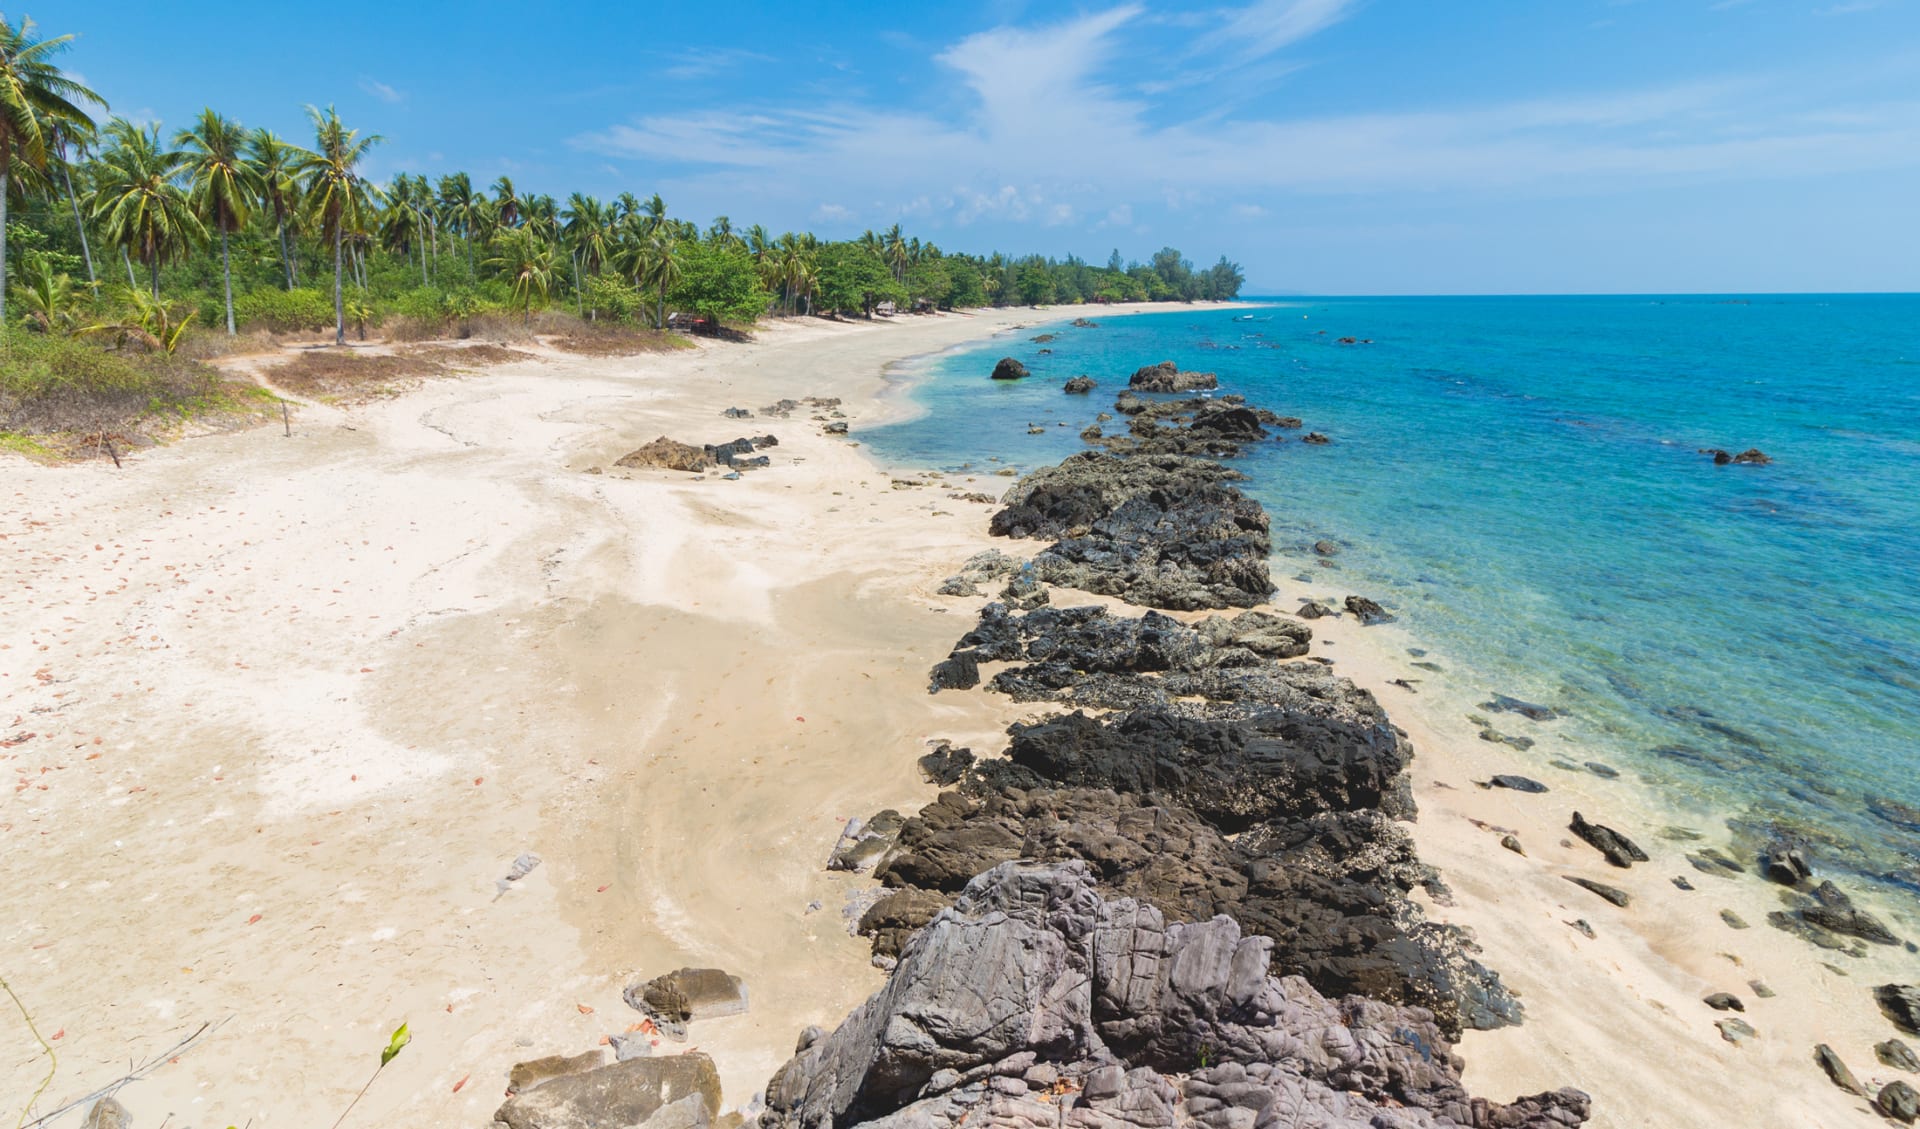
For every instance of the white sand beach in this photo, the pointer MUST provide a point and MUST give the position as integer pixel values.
(280, 713)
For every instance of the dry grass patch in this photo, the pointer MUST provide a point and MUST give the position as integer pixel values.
(588, 340)
(347, 374)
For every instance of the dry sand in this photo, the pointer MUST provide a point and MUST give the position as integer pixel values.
(297, 704)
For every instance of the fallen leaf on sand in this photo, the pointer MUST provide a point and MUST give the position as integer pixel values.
(60, 1034)
(253, 919)
(799, 719)
(462, 1082)
(584, 1009)
(477, 780)
(604, 1040)
(602, 889)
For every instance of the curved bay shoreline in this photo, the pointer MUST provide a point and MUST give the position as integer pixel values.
(685, 603)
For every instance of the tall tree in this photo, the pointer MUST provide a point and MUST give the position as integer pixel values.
(139, 200)
(458, 203)
(337, 195)
(659, 261)
(527, 262)
(71, 140)
(225, 185)
(275, 161)
(35, 97)
(507, 201)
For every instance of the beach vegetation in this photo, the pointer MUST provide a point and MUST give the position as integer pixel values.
(139, 244)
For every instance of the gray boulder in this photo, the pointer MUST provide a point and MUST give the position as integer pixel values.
(1035, 1002)
(678, 998)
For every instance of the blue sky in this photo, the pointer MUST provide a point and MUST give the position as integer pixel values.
(1329, 146)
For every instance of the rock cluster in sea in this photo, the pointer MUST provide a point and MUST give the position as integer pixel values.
(1188, 898)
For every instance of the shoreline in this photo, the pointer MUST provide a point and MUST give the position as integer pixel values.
(578, 598)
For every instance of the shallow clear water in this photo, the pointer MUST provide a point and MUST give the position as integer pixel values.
(1520, 479)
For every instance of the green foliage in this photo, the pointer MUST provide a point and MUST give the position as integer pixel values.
(284, 311)
(719, 282)
(52, 383)
(853, 277)
(610, 296)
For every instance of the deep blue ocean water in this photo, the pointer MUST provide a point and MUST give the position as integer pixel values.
(1519, 479)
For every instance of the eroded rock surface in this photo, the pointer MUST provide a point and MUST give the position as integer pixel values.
(1036, 1001)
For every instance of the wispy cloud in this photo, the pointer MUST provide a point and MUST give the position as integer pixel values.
(1267, 26)
(706, 62)
(381, 90)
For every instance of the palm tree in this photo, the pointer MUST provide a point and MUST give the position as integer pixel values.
(71, 140)
(894, 251)
(225, 184)
(458, 204)
(337, 195)
(47, 296)
(143, 209)
(527, 261)
(658, 265)
(35, 97)
(401, 225)
(507, 201)
(274, 161)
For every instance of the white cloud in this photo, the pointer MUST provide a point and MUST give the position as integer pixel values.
(381, 90)
(832, 213)
(1047, 136)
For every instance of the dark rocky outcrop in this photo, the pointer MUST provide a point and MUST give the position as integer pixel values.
(1161, 531)
(1168, 377)
(1620, 850)
(945, 764)
(1079, 385)
(862, 842)
(1366, 611)
(1898, 1055)
(1752, 456)
(1009, 369)
(1898, 1101)
(1613, 894)
(1035, 1001)
(1900, 1003)
(1517, 783)
(1830, 1061)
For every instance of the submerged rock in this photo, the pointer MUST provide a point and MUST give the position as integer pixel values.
(1167, 377)
(1366, 611)
(1079, 385)
(1009, 369)
(1517, 783)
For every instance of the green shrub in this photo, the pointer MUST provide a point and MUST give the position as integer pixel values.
(51, 383)
(279, 311)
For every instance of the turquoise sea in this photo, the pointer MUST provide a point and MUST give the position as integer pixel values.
(1519, 479)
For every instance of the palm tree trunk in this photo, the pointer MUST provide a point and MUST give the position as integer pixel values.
(339, 307)
(156, 277)
(226, 268)
(86, 252)
(660, 310)
(579, 299)
(128, 260)
(286, 258)
(5, 173)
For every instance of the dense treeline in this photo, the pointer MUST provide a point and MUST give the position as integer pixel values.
(135, 235)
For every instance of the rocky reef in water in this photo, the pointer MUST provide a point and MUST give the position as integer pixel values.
(1188, 898)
